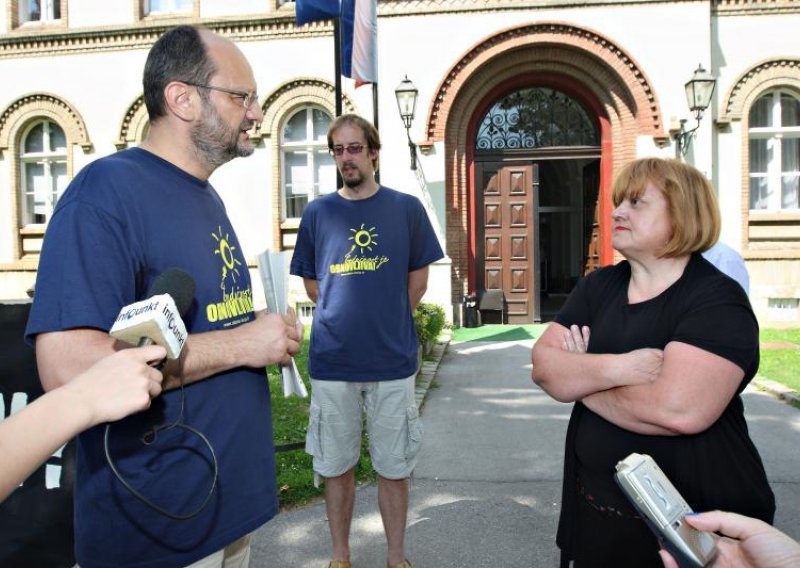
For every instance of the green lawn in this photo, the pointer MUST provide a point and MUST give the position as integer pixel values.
(781, 364)
(290, 421)
(496, 332)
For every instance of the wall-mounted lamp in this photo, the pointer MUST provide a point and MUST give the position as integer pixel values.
(699, 90)
(406, 94)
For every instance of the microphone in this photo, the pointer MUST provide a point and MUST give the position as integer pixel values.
(158, 319)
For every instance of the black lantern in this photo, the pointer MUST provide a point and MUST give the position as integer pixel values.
(406, 94)
(699, 90)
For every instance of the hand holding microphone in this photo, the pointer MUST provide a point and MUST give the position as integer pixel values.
(158, 319)
(135, 382)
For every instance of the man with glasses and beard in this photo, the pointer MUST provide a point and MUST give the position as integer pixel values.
(124, 220)
(363, 253)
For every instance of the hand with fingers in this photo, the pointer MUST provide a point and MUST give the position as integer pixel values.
(120, 384)
(744, 542)
(576, 339)
(270, 338)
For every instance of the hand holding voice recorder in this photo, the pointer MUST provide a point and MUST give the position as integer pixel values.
(663, 508)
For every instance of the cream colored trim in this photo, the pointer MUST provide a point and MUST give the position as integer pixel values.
(146, 32)
(754, 7)
(41, 105)
(13, 123)
(776, 72)
(134, 124)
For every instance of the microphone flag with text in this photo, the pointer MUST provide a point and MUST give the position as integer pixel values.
(158, 319)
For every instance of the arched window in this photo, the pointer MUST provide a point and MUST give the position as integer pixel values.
(774, 138)
(43, 168)
(307, 169)
(536, 118)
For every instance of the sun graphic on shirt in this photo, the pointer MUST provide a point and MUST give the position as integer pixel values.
(363, 238)
(225, 251)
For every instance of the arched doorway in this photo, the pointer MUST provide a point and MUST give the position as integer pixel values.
(590, 68)
(536, 153)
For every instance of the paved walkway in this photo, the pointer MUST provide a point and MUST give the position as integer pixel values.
(487, 488)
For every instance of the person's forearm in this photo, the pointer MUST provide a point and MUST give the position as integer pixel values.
(30, 436)
(634, 408)
(203, 355)
(414, 297)
(568, 377)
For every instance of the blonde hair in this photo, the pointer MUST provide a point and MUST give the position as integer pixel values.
(693, 207)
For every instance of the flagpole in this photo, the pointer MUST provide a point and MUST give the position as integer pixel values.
(375, 118)
(337, 55)
(337, 82)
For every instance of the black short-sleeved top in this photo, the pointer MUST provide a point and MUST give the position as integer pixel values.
(719, 468)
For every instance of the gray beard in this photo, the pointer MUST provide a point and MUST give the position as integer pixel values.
(214, 142)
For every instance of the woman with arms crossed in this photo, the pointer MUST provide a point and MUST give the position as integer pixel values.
(673, 343)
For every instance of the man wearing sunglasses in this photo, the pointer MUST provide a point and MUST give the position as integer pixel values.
(363, 253)
(124, 220)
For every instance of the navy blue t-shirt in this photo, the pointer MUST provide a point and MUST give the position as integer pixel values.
(360, 253)
(122, 221)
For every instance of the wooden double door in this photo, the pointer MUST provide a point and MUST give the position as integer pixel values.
(535, 224)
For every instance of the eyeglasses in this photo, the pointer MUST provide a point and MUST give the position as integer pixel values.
(247, 98)
(352, 149)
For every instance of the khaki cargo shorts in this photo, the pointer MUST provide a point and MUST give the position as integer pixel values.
(393, 422)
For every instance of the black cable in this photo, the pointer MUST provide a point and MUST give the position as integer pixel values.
(150, 437)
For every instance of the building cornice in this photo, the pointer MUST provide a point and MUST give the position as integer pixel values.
(49, 43)
(389, 8)
(754, 7)
(31, 42)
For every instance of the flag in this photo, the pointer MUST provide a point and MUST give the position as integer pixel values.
(359, 22)
(314, 10)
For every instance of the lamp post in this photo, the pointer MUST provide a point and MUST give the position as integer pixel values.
(406, 94)
(699, 90)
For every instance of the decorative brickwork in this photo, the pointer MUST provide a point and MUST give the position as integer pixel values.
(42, 105)
(561, 42)
(781, 73)
(134, 124)
(45, 43)
(754, 7)
(544, 55)
(13, 122)
(277, 107)
(750, 85)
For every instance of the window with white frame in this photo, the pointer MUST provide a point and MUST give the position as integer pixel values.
(308, 170)
(43, 168)
(39, 10)
(774, 137)
(167, 6)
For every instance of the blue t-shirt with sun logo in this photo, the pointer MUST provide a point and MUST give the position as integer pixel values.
(360, 253)
(124, 220)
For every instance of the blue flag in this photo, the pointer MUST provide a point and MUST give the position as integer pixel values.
(315, 10)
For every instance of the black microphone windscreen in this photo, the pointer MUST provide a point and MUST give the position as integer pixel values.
(178, 284)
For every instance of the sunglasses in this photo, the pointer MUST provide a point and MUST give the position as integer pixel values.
(352, 149)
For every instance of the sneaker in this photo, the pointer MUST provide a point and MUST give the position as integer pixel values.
(403, 564)
(339, 564)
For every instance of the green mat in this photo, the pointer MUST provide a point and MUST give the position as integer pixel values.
(496, 332)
